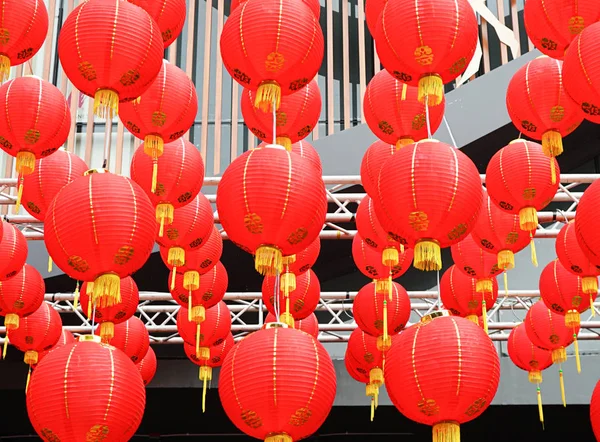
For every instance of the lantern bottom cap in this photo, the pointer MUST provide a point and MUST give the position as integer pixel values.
(205, 373)
(383, 286)
(287, 283)
(535, 377)
(446, 432)
(285, 142)
(267, 95)
(473, 318)
(390, 257)
(198, 314)
(559, 355)
(107, 331)
(376, 377)
(428, 255)
(279, 437)
(589, 285)
(165, 213)
(287, 319)
(11, 321)
(191, 280)
(528, 219)
(289, 260)
(572, 319)
(268, 260)
(176, 256)
(506, 259)
(384, 344)
(431, 87)
(552, 144)
(484, 285)
(31, 357)
(154, 146)
(405, 141)
(107, 290)
(106, 104)
(4, 68)
(25, 163)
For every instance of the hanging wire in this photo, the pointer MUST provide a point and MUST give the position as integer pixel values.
(274, 121)
(450, 132)
(427, 120)
(93, 317)
(276, 303)
(439, 299)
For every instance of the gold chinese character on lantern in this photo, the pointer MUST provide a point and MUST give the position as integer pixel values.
(424, 55)
(418, 221)
(274, 62)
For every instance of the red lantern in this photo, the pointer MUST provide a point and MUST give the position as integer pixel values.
(36, 122)
(24, 29)
(373, 10)
(297, 264)
(436, 205)
(571, 256)
(420, 43)
(394, 113)
(498, 232)
(295, 118)
(435, 379)
(272, 48)
(518, 180)
(77, 409)
(379, 314)
(365, 350)
(585, 224)
(132, 338)
(206, 331)
(118, 313)
(539, 106)
(358, 374)
(168, 14)
(474, 262)
(582, 71)
(305, 150)
(211, 289)
(314, 5)
(13, 249)
(293, 407)
(115, 226)
(66, 338)
(458, 292)
(191, 227)
(178, 181)
(272, 203)
(595, 411)
(147, 366)
(50, 176)
(110, 50)
(552, 25)
(373, 160)
(530, 358)
(163, 113)
(37, 332)
(21, 295)
(299, 303)
(309, 325)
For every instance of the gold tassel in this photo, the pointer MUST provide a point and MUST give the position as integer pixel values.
(107, 331)
(173, 274)
(164, 215)
(540, 408)
(205, 375)
(4, 68)
(89, 307)
(484, 286)
(506, 259)
(190, 306)
(31, 357)
(154, 147)
(390, 294)
(592, 305)
(5, 346)
(404, 89)
(589, 284)
(191, 280)
(107, 290)
(154, 175)
(432, 87)
(383, 286)
(535, 377)
(106, 104)
(528, 219)
(289, 260)
(552, 144)
(25, 163)
(577, 358)
(534, 260)
(390, 257)
(11, 321)
(384, 344)
(89, 288)
(552, 171)
(376, 377)
(76, 297)
(562, 387)
(19, 196)
(268, 92)
(28, 379)
(372, 409)
(279, 437)
(572, 319)
(198, 340)
(287, 282)
(473, 318)
(385, 320)
(446, 432)
(288, 319)
(176, 256)
(559, 355)
(484, 314)
(268, 261)
(285, 142)
(403, 142)
(198, 314)
(428, 256)
(49, 264)
(505, 283)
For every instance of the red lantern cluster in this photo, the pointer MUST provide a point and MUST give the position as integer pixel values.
(571, 256)
(585, 222)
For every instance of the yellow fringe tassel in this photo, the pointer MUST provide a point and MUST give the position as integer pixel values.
(403, 142)
(190, 305)
(376, 377)
(384, 344)
(592, 305)
(528, 219)
(107, 331)
(154, 147)
(552, 144)
(173, 275)
(49, 264)
(289, 260)
(559, 356)
(506, 259)
(535, 377)
(505, 283)
(31, 357)
(19, 195)
(25, 164)
(484, 315)
(11, 321)
(446, 432)
(89, 288)
(204, 354)
(540, 407)
(572, 319)
(390, 294)
(205, 375)
(552, 171)
(428, 256)
(432, 87)
(385, 320)
(404, 90)
(164, 215)
(106, 104)
(390, 257)
(5, 347)
(198, 340)
(268, 92)
(279, 437)
(383, 286)
(534, 260)
(76, 297)
(287, 283)
(4, 68)
(285, 142)
(288, 319)
(577, 358)
(562, 387)
(589, 284)
(198, 314)
(191, 280)
(268, 261)
(176, 256)
(28, 379)
(107, 290)
(484, 286)
(473, 318)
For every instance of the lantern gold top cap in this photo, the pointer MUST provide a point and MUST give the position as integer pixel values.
(91, 171)
(90, 338)
(518, 140)
(276, 325)
(430, 317)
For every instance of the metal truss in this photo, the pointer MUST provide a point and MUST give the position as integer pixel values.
(158, 311)
(342, 205)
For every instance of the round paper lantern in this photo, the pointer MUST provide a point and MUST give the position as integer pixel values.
(272, 203)
(115, 226)
(163, 113)
(582, 71)
(314, 5)
(474, 262)
(211, 289)
(530, 358)
(290, 409)
(562, 292)
(272, 48)
(295, 118)
(498, 232)
(218, 353)
(66, 338)
(169, 15)
(51, 174)
(518, 180)
(147, 366)
(573, 259)
(35, 123)
(394, 113)
(435, 379)
(421, 45)
(366, 352)
(585, 220)
(539, 106)
(24, 30)
(132, 338)
(371, 391)
(13, 249)
(37, 332)
(552, 25)
(305, 150)
(299, 263)
(595, 411)
(459, 294)
(179, 178)
(204, 332)
(118, 313)
(373, 10)
(309, 325)
(436, 205)
(300, 302)
(77, 410)
(110, 50)
(373, 160)
(379, 314)
(21, 295)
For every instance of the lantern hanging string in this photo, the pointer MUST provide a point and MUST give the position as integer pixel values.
(276, 303)
(93, 318)
(274, 121)
(450, 132)
(107, 143)
(427, 120)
